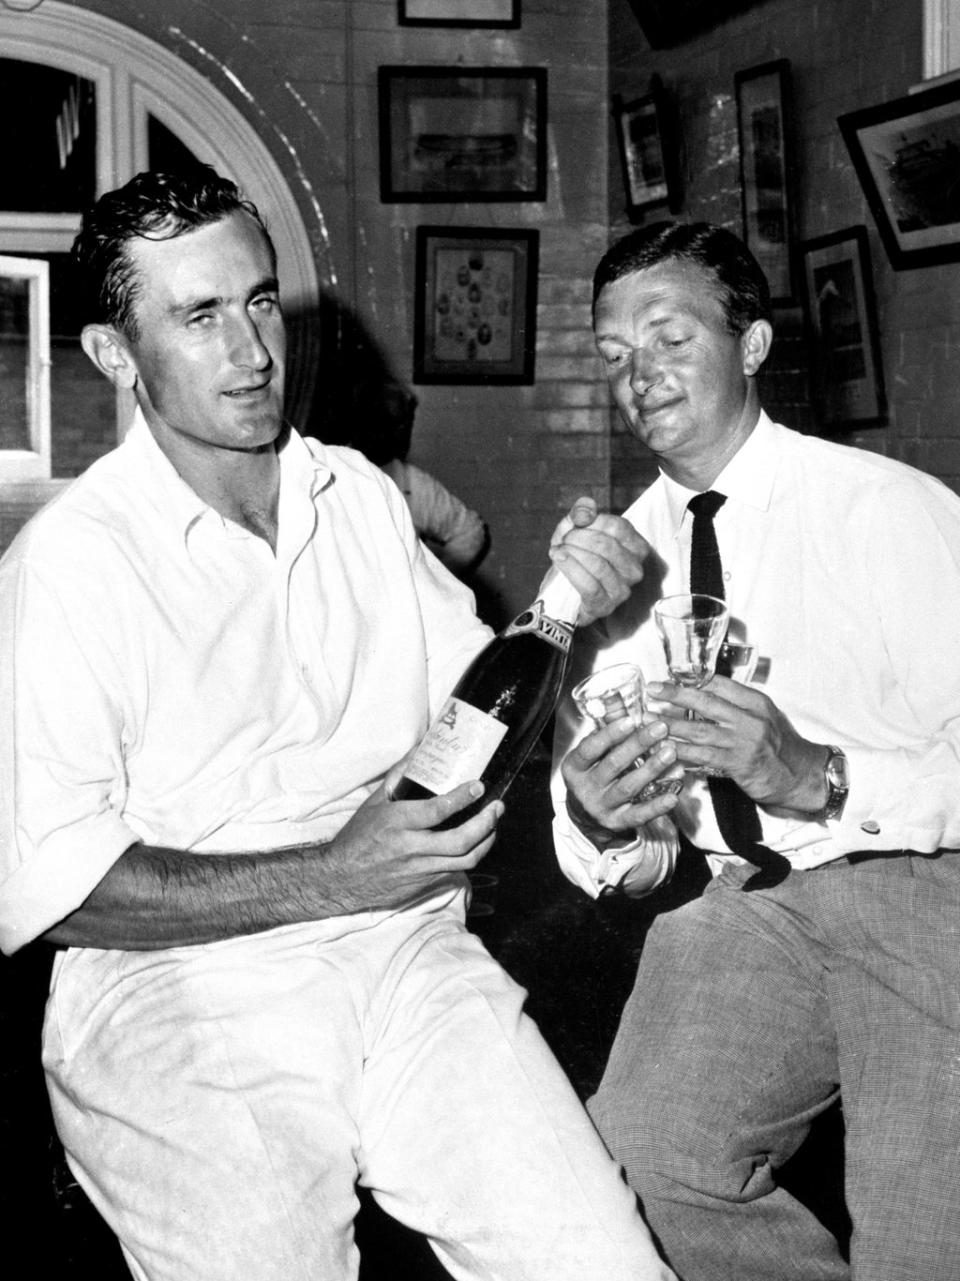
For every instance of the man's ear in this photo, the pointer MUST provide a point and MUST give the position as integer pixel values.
(108, 350)
(755, 345)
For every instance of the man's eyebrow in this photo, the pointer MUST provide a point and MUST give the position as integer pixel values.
(193, 304)
(268, 285)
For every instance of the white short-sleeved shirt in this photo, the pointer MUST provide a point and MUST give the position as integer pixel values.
(844, 568)
(165, 678)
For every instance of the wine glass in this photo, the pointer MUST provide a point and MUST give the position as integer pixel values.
(692, 628)
(611, 694)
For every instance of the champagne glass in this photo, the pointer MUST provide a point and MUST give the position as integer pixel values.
(692, 628)
(608, 696)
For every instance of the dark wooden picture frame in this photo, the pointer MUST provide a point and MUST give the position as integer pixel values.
(763, 126)
(462, 133)
(846, 364)
(458, 13)
(475, 305)
(647, 146)
(906, 154)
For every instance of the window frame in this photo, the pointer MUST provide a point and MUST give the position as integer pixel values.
(33, 463)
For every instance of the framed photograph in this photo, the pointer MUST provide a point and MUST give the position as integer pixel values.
(476, 305)
(647, 151)
(463, 133)
(907, 157)
(459, 13)
(842, 322)
(762, 122)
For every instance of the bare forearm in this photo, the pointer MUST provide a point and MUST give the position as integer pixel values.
(155, 898)
(388, 854)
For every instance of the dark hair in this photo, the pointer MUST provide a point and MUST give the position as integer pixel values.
(743, 291)
(155, 206)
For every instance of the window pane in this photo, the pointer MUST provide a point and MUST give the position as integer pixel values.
(49, 141)
(165, 150)
(83, 410)
(14, 347)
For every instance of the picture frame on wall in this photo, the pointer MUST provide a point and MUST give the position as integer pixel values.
(763, 127)
(647, 151)
(906, 154)
(462, 133)
(475, 305)
(846, 363)
(458, 13)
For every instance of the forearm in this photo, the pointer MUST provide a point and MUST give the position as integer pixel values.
(155, 898)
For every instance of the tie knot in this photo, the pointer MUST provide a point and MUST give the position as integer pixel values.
(706, 504)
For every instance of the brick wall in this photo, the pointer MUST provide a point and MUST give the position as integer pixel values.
(844, 54)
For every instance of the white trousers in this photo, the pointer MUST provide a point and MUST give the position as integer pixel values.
(219, 1105)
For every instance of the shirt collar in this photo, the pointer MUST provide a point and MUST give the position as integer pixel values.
(303, 468)
(748, 477)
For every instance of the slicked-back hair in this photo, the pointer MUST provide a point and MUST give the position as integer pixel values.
(742, 288)
(151, 206)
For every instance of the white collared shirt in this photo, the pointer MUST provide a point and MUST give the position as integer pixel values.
(844, 568)
(164, 677)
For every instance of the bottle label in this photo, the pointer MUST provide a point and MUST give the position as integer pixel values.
(458, 746)
(535, 620)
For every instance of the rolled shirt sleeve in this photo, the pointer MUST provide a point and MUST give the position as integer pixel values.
(60, 782)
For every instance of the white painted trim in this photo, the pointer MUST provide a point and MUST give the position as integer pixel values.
(33, 463)
(941, 37)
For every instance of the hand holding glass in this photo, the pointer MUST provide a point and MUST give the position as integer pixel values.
(608, 696)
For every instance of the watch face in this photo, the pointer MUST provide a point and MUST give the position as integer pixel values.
(837, 770)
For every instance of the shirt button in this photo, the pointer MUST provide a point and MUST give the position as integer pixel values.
(871, 827)
(726, 575)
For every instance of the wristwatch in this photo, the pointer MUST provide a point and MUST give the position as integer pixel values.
(838, 783)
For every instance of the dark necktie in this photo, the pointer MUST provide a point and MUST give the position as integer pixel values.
(737, 816)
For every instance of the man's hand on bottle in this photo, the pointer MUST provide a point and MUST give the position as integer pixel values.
(602, 556)
(389, 852)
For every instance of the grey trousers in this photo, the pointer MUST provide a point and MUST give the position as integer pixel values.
(751, 1010)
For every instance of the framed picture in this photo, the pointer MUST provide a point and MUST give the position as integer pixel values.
(842, 322)
(647, 150)
(459, 13)
(907, 157)
(476, 305)
(463, 133)
(762, 105)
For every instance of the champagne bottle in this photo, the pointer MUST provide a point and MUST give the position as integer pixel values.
(500, 706)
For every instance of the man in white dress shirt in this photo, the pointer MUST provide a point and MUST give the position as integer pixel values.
(822, 960)
(216, 649)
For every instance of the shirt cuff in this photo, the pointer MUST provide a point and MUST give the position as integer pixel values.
(58, 877)
(637, 867)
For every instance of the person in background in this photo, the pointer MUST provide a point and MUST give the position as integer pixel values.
(821, 960)
(217, 648)
(458, 536)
